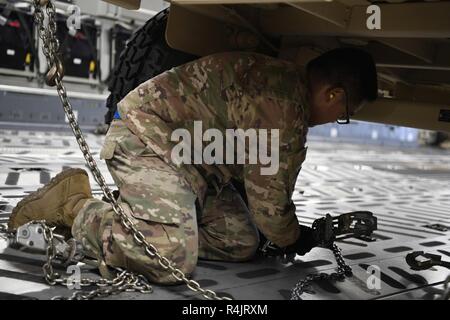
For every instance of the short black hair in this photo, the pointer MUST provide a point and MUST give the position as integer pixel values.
(352, 68)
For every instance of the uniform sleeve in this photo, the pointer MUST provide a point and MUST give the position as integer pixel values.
(269, 191)
(269, 197)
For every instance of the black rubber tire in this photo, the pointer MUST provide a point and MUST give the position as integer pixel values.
(146, 55)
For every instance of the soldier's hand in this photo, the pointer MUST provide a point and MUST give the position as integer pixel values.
(305, 242)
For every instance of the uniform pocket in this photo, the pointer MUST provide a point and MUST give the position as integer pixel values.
(159, 198)
(107, 151)
(132, 145)
(119, 136)
(156, 217)
(115, 132)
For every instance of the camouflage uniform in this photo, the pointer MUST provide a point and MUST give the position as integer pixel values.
(173, 204)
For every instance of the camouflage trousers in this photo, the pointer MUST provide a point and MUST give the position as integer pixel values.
(158, 199)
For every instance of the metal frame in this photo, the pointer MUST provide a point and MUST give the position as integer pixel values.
(433, 22)
(334, 12)
(107, 15)
(52, 92)
(18, 73)
(406, 113)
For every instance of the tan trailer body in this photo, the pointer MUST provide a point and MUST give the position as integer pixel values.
(410, 42)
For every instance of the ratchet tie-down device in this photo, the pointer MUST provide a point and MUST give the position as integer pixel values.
(327, 230)
(32, 237)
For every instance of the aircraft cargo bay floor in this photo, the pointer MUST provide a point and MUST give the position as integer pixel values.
(408, 189)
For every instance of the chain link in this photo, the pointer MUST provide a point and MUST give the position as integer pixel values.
(343, 270)
(124, 281)
(50, 48)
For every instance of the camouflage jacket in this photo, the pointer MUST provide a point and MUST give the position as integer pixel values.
(228, 91)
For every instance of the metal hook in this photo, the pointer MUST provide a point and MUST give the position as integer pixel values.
(55, 70)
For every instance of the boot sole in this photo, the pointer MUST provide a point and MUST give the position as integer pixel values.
(40, 192)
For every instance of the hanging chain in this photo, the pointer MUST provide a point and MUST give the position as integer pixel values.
(54, 77)
(343, 270)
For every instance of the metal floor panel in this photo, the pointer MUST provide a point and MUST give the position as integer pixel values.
(407, 189)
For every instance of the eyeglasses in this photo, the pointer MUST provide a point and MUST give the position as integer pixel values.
(345, 118)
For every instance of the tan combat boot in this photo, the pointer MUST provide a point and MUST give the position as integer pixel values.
(58, 202)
